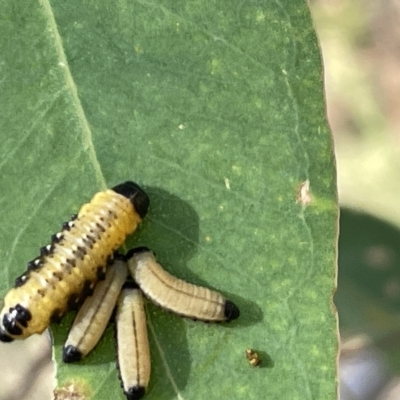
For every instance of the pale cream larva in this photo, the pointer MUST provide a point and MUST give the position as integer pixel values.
(133, 352)
(176, 295)
(92, 318)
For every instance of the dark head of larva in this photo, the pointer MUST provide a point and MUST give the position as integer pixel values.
(136, 250)
(136, 195)
(231, 311)
(135, 393)
(4, 337)
(71, 354)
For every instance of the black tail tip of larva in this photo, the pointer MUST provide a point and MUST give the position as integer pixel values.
(136, 250)
(5, 337)
(71, 354)
(136, 195)
(231, 311)
(135, 392)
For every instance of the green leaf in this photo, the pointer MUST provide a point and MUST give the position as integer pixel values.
(217, 109)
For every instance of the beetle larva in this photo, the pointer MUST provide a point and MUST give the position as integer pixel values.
(67, 269)
(94, 314)
(176, 295)
(133, 353)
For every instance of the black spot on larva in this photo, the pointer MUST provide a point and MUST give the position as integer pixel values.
(66, 226)
(46, 250)
(10, 324)
(136, 195)
(74, 301)
(4, 337)
(88, 287)
(110, 260)
(135, 393)
(34, 264)
(21, 280)
(89, 241)
(23, 323)
(71, 354)
(71, 262)
(231, 311)
(23, 315)
(57, 237)
(56, 315)
(100, 227)
(58, 275)
(81, 250)
(23, 311)
(41, 292)
(101, 273)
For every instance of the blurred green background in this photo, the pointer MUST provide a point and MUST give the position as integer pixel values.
(360, 42)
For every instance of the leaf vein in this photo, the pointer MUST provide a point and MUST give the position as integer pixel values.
(70, 83)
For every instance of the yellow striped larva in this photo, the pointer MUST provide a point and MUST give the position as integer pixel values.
(68, 268)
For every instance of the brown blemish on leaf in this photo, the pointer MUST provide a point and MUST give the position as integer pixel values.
(253, 357)
(71, 391)
(304, 193)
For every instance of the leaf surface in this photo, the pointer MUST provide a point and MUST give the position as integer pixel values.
(217, 109)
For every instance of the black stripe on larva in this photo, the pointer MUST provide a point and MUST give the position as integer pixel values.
(4, 337)
(71, 354)
(136, 195)
(135, 393)
(231, 311)
(10, 324)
